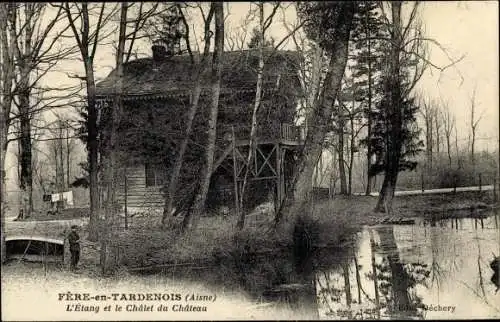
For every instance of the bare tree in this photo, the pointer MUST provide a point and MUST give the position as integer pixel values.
(437, 128)
(199, 67)
(216, 73)
(7, 79)
(109, 153)
(474, 121)
(88, 35)
(264, 24)
(33, 53)
(428, 114)
(448, 125)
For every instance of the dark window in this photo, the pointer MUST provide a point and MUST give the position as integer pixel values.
(155, 175)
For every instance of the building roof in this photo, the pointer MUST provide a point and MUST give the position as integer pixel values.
(149, 78)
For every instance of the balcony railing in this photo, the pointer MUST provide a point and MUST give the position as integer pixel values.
(283, 132)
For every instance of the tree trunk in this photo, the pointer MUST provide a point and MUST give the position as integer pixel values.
(253, 130)
(93, 152)
(195, 99)
(369, 117)
(351, 156)
(6, 79)
(110, 161)
(317, 65)
(297, 201)
(26, 159)
(394, 142)
(199, 204)
(3, 152)
(23, 86)
(68, 183)
(3, 144)
(438, 132)
(343, 181)
(448, 147)
(61, 156)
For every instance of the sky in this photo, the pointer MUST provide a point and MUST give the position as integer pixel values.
(462, 28)
(470, 29)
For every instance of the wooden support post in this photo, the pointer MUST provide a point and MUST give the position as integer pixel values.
(422, 181)
(480, 188)
(235, 177)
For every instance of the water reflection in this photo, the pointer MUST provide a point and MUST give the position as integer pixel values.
(427, 271)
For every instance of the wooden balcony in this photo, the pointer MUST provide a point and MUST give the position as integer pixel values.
(285, 133)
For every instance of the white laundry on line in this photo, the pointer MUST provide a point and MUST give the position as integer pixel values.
(63, 196)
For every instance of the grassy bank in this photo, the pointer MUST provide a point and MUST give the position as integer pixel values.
(146, 244)
(359, 209)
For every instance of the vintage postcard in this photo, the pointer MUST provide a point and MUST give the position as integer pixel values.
(249, 160)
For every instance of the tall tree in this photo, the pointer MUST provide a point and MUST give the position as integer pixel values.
(397, 107)
(330, 24)
(34, 34)
(88, 35)
(258, 41)
(216, 72)
(368, 39)
(6, 80)
(109, 153)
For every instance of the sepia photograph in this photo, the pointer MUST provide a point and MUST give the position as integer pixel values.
(262, 160)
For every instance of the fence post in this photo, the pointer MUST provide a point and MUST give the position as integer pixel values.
(422, 180)
(454, 183)
(480, 182)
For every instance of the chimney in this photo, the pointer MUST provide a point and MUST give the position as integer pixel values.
(159, 52)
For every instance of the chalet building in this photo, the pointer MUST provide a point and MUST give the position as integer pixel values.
(157, 92)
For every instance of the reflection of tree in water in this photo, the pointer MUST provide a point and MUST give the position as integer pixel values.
(397, 280)
(393, 285)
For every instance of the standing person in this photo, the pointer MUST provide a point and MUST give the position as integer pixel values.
(74, 246)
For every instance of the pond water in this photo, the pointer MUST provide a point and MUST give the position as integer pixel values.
(423, 271)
